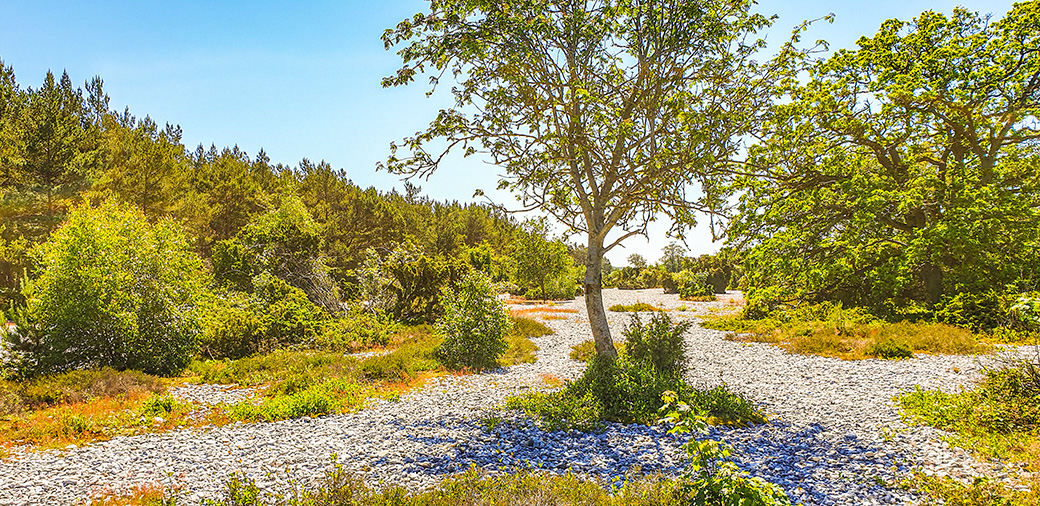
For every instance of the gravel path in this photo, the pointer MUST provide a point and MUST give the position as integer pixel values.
(834, 436)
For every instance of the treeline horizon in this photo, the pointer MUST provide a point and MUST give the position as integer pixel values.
(61, 145)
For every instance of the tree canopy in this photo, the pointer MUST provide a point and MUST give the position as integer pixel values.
(602, 114)
(904, 171)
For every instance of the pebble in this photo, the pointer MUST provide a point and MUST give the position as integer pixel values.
(834, 437)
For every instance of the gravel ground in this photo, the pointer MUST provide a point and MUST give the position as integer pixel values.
(834, 437)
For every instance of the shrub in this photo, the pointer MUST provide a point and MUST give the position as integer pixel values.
(474, 325)
(975, 311)
(110, 290)
(711, 477)
(693, 284)
(234, 324)
(415, 293)
(889, 349)
(658, 345)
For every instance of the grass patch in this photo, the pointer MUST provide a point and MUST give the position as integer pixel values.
(472, 487)
(998, 419)
(585, 351)
(979, 492)
(520, 351)
(701, 298)
(92, 420)
(832, 331)
(527, 327)
(633, 308)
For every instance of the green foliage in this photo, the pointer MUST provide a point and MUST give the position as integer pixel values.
(711, 478)
(929, 192)
(658, 345)
(639, 278)
(975, 311)
(160, 405)
(275, 367)
(694, 284)
(330, 396)
(628, 389)
(111, 290)
(284, 242)
(542, 265)
(592, 169)
(416, 291)
(999, 418)
(234, 325)
(474, 325)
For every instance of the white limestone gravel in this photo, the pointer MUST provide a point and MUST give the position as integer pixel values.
(835, 436)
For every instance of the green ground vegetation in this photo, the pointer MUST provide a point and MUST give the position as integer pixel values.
(998, 420)
(832, 330)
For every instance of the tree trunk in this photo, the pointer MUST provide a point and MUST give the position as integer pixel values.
(932, 278)
(594, 300)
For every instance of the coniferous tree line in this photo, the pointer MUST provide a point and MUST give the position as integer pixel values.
(61, 145)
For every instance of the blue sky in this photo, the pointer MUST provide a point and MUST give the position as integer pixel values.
(301, 79)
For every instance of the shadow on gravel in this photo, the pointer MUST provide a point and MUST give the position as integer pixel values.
(812, 468)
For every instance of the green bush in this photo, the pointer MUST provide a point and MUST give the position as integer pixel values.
(238, 324)
(658, 345)
(110, 289)
(999, 418)
(474, 325)
(976, 311)
(415, 292)
(711, 477)
(234, 324)
(693, 284)
(889, 349)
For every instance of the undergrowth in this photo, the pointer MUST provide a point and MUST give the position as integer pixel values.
(470, 488)
(999, 419)
(849, 333)
(628, 389)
